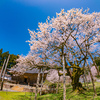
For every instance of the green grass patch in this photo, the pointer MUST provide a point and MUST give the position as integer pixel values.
(86, 95)
(14, 95)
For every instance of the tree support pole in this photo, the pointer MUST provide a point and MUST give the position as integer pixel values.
(42, 80)
(2, 69)
(4, 73)
(92, 79)
(64, 78)
(37, 85)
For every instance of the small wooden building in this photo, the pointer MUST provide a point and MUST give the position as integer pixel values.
(29, 77)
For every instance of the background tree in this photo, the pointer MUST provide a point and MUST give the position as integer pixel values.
(97, 60)
(4, 55)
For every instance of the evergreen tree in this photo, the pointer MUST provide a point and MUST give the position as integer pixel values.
(4, 56)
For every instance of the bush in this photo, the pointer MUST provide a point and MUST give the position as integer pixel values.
(53, 85)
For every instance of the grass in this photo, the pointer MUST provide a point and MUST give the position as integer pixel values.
(14, 95)
(87, 95)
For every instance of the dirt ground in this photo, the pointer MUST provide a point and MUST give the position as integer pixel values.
(18, 88)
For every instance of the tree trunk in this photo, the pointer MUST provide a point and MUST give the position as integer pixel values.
(42, 81)
(77, 72)
(92, 79)
(76, 84)
(37, 85)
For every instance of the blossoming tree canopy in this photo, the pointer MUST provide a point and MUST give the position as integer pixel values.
(76, 29)
(74, 34)
(28, 62)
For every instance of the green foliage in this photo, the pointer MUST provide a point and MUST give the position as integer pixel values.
(53, 85)
(98, 76)
(4, 56)
(60, 74)
(97, 60)
(12, 61)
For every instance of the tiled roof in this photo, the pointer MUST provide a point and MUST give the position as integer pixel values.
(35, 70)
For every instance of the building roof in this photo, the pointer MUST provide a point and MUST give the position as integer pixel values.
(17, 72)
(35, 70)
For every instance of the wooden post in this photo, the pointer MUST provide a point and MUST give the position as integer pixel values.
(57, 90)
(92, 79)
(2, 69)
(42, 81)
(94, 63)
(64, 78)
(84, 81)
(37, 85)
(4, 73)
(86, 78)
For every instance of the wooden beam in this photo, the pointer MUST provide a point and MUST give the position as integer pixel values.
(2, 69)
(4, 73)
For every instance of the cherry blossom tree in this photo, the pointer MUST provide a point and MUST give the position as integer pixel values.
(69, 40)
(72, 36)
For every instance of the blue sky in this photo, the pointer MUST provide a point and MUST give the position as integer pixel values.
(17, 16)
